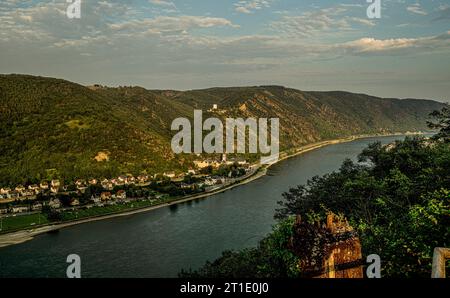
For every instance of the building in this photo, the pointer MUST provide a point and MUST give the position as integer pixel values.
(121, 180)
(82, 188)
(36, 207)
(187, 186)
(80, 182)
(215, 107)
(28, 193)
(5, 190)
(142, 178)
(44, 185)
(13, 195)
(54, 186)
(210, 181)
(108, 185)
(130, 180)
(105, 196)
(121, 195)
(20, 188)
(169, 175)
(55, 203)
(19, 209)
(237, 160)
(201, 164)
(95, 199)
(34, 187)
(55, 183)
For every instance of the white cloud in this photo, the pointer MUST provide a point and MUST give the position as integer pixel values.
(318, 22)
(163, 3)
(249, 6)
(417, 9)
(397, 45)
(171, 25)
(361, 21)
(443, 12)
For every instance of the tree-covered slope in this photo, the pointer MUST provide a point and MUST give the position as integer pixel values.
(55, 128)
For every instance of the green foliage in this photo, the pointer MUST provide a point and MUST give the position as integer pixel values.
(52, 128)
(271, 259)
(14, 223)
(232, 171)
(406, 240)
(398, 200)
(442, 123)
(51, 214)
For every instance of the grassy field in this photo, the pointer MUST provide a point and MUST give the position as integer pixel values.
(21, 222)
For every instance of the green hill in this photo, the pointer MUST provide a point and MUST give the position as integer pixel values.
(54, 128)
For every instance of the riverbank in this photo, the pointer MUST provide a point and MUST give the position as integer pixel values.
(26, 235)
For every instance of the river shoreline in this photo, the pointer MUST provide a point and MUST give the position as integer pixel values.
(18, 237)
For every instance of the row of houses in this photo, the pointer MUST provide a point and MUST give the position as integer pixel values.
(215, 163)
(106, 197)
(56, 204)
(37, 206)
(30, 190)
(109, 184)
(55, 186)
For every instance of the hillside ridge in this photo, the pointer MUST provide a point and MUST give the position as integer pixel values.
(53, 128)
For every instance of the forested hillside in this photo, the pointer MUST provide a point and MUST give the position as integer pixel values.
(52, 128)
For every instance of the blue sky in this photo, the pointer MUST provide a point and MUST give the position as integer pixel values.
(189, 44)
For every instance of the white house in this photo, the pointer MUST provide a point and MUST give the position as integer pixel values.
(55, 203)
(5, 190)
(169, 175)
(36, 207)
(19, 209)
(44, 185)
(55, 183)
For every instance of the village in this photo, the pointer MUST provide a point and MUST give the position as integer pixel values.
(209, 175)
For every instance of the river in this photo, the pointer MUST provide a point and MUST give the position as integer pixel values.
(161, 242)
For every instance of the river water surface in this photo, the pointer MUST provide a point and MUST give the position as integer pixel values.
(161, 242)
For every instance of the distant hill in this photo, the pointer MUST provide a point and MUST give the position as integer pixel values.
(55, 128)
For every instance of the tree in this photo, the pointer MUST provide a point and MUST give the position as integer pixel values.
(51, 214)
(442, 122)
(207, 170)
(398, 200)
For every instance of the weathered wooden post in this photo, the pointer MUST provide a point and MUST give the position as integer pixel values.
(440, 257)
(331, 250)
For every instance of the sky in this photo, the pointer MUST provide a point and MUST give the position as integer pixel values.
(316, 45)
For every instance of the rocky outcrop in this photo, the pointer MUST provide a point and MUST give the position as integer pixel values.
(327, 250)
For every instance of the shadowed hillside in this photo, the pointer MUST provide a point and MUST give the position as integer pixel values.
(54, 128)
